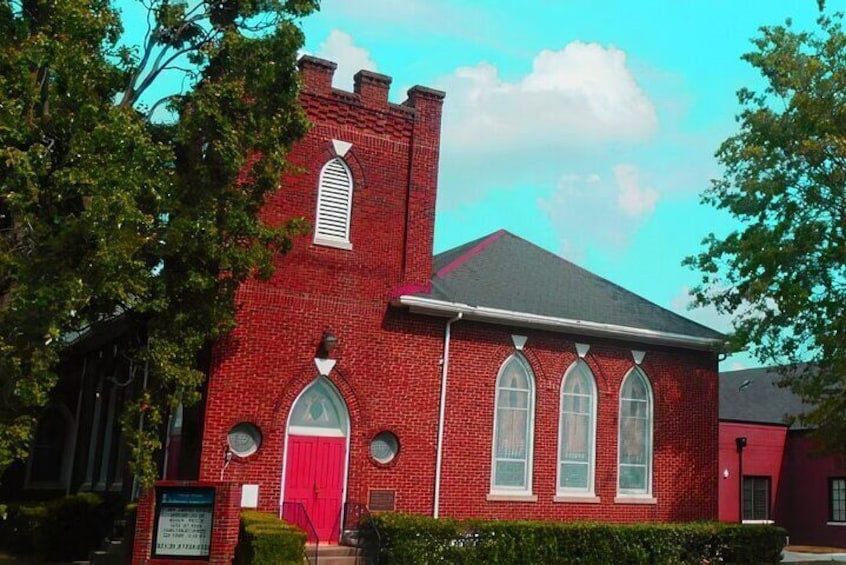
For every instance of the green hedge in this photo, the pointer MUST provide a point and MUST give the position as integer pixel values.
(21, 525)
(264, 539)
(64, 529)
(412, 540)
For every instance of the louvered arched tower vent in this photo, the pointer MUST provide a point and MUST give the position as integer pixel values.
(334, 205)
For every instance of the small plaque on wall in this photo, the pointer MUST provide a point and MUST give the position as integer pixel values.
(382, 501)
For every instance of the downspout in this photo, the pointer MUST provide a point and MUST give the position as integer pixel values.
(741, 443)
(442, 414)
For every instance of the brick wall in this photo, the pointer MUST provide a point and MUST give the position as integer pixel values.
(802, 504)
(684, 386)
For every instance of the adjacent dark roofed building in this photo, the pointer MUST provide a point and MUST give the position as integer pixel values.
(753, 395)
(505, 272)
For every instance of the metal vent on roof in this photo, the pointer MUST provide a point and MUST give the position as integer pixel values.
(334, 200)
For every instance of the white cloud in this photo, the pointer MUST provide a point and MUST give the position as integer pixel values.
(339, 48)
(582, 94)
(632, 199)
(591, 209)
(575, 109)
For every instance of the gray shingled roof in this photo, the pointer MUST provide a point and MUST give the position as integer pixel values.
(506, 272)
(753, 395)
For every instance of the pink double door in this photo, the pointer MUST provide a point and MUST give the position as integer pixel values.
(314, 476)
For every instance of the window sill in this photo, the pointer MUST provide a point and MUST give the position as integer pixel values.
(576, 499)
(632, 499)
(758, 522)
(44, 486)
(835, 523)
(505, 497)
(323, 242)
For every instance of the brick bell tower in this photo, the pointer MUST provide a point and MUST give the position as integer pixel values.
(365, 178)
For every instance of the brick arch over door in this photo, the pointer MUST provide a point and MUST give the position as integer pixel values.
(304, 377)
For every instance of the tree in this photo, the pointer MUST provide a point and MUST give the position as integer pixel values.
(104, 211)
(782, 272)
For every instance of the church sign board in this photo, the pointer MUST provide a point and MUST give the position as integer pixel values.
(183, 522)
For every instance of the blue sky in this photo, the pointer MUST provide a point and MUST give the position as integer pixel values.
(588, 128)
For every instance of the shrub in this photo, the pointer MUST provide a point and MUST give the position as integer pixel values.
(64, 529)
(264, 539)
(412, 540)
(72, 527)
(751, 544)
(20, 526)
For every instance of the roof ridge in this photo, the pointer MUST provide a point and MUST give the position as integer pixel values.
(470, 253)
(610, 282)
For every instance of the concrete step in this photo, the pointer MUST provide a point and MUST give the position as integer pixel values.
(103, 558)
(336, 555)
(110, 553)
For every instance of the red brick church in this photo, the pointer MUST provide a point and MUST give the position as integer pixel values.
(492, 380)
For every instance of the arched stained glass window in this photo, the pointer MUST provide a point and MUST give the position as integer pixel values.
(513, 425)
(319, 410)
(577, 430)
(635, 435)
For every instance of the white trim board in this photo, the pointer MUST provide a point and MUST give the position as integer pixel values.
(432, 307)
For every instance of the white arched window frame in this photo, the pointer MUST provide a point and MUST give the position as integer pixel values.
(513, 430)
(334, 205)
(634, 437)
(577, 431)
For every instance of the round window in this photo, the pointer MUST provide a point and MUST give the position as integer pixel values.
(384, 447)
(244, 439)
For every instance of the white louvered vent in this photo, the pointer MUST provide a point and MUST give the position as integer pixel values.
(334, 203)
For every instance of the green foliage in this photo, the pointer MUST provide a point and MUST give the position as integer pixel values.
(64, 529)
(411, 540)
(20, 527)
(72, 527)
(782, 272)
(264, 539)
(105, 212)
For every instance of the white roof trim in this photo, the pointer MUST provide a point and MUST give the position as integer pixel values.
(430, 306)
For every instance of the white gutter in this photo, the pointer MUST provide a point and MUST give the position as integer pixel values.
(434, 307)
(442, 414)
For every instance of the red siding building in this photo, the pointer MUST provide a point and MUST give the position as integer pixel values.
(770, 470)
(493, 380)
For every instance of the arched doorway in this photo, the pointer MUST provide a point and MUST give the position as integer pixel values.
(316, 456)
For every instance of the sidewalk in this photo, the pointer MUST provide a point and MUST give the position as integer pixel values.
(803, 557)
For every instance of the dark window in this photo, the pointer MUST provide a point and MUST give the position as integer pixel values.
(756, 498)
(48, 448)
(837, 499)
